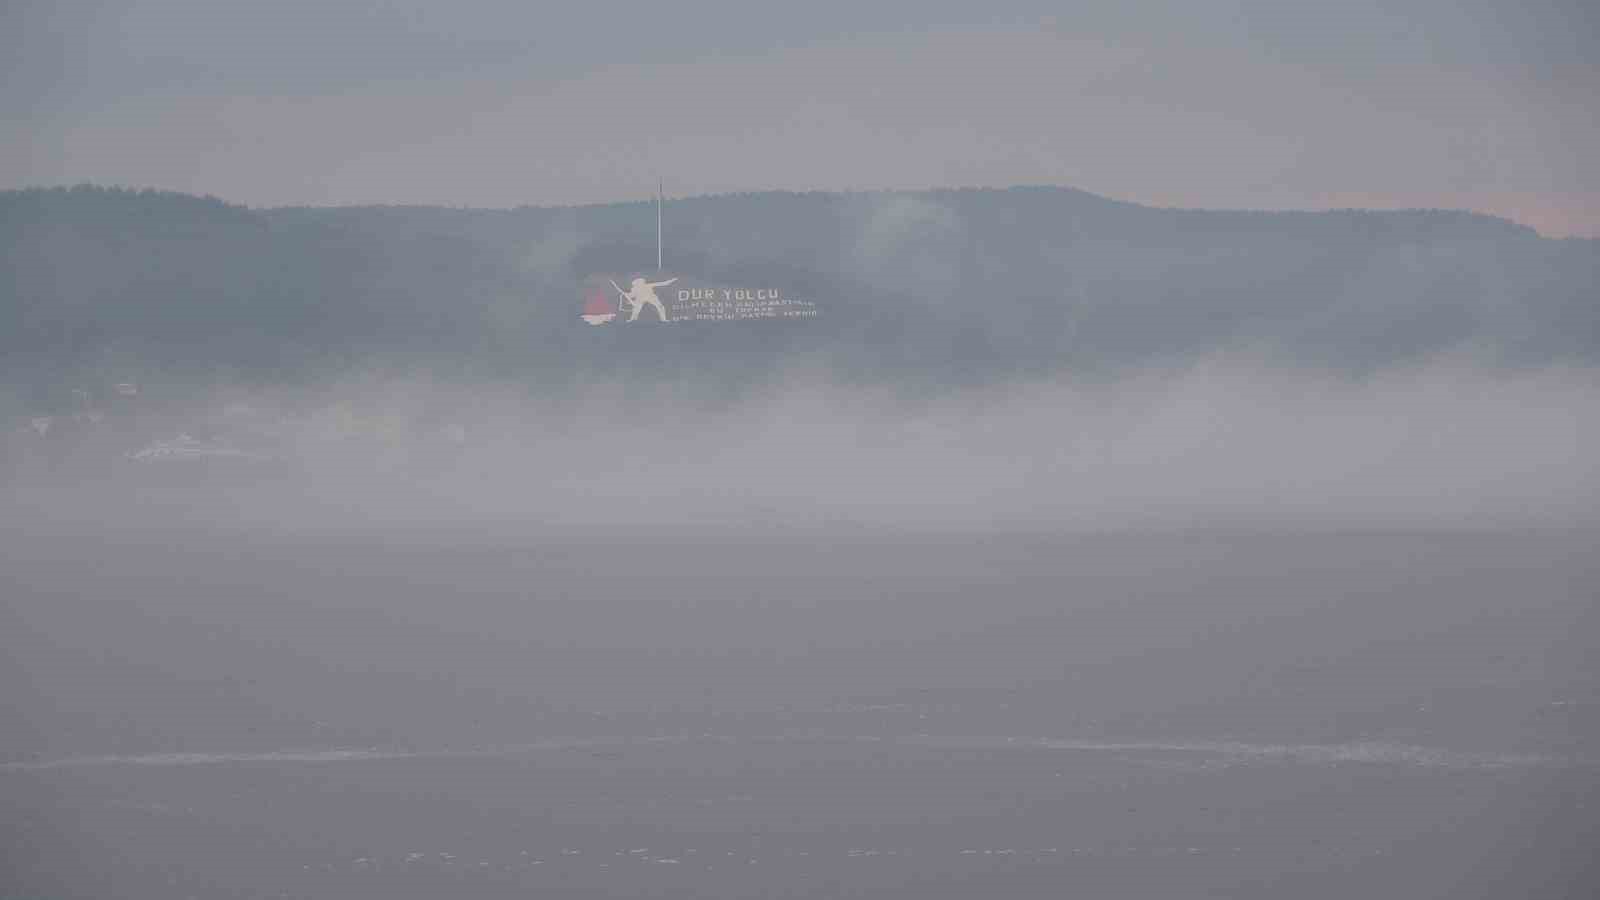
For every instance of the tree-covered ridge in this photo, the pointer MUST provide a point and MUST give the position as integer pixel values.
(949, 283)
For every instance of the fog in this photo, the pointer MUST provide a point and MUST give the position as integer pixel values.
(1227, 442)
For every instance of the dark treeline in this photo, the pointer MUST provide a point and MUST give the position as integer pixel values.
(938, 285)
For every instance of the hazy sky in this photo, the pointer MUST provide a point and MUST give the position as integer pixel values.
(1474, 104)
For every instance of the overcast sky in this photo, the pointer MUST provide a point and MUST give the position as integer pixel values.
(1475, 104)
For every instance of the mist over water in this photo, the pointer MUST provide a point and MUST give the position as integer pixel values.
(431, 634)
(1223, 443)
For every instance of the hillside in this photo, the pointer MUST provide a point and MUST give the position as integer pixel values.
(963, 284)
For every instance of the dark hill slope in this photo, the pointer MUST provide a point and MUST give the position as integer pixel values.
(971, 284)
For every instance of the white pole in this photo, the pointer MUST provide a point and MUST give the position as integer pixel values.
(659, 188)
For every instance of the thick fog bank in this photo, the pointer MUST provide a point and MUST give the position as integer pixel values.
(1225, 443)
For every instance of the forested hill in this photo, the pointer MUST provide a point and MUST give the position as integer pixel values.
(970, 284)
